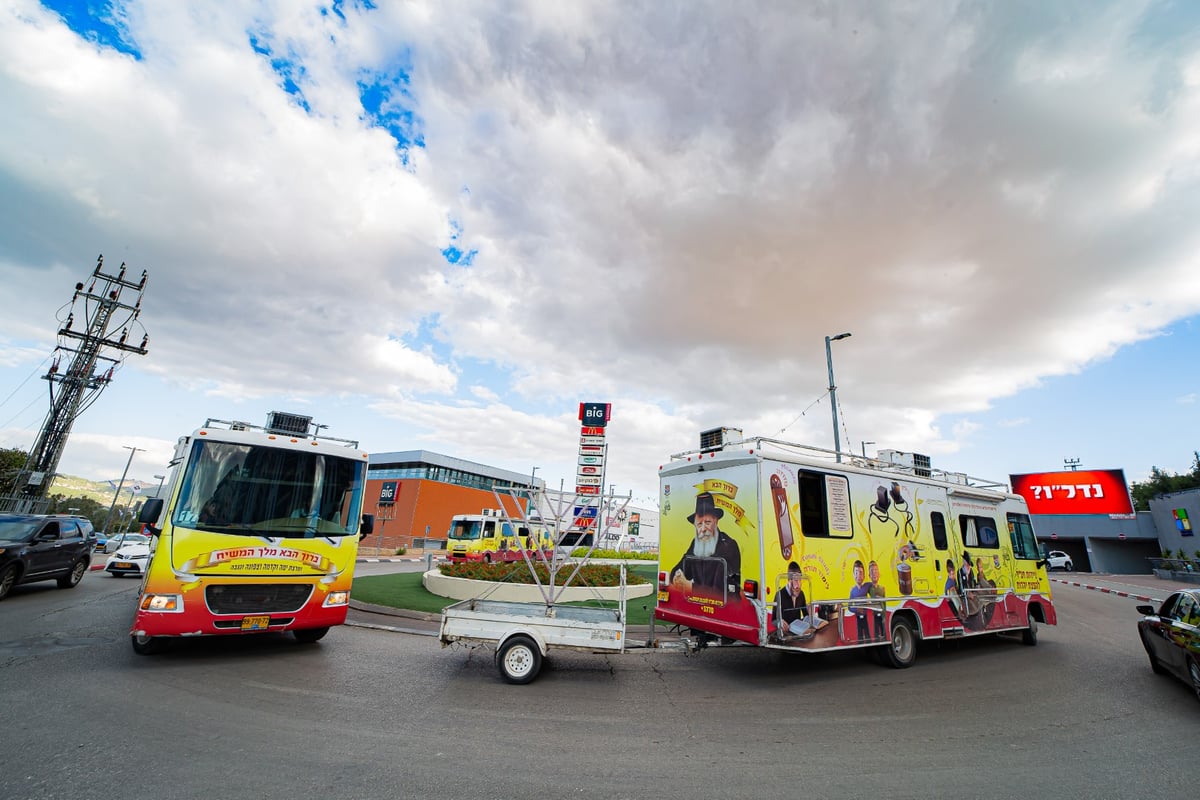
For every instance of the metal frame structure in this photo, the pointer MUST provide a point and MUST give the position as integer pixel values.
(89, 348)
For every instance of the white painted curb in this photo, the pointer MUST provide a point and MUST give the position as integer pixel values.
(466, 589)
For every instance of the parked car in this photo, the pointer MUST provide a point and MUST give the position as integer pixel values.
(1171, 636)
(131, 557)
(42, 547)
(118, 540)
(1057, 559)
(99, 542)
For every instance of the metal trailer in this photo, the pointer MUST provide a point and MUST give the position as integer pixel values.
(523, 633)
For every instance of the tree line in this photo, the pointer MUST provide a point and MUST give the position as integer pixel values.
(1161, 482)
(12, 460)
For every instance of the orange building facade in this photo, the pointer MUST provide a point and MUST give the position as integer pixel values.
(415, 493)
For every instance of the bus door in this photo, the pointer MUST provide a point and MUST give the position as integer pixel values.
(951, 609)
(508, 545)
(1028, 574)
(985, 574)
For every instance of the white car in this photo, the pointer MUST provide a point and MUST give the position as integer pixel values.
(1057, 559)
(118, 540)
(130, 559)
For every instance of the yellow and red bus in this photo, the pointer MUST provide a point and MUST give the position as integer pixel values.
(258, 532)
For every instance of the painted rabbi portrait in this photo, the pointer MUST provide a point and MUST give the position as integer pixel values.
(712, 564)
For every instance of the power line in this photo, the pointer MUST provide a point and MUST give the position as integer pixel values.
(87, 350)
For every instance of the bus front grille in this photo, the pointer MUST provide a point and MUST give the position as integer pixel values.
(256, 598)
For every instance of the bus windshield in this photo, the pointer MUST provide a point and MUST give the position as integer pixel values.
(251, 490)
(465, 530)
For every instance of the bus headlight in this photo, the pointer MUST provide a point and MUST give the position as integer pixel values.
(337, 599)
(167, 603)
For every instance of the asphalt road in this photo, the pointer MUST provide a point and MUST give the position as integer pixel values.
(369, 713)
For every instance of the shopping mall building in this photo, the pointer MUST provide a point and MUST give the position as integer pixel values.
(414, 494)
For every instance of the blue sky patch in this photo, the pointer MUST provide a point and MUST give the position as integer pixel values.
(455, 254)
(95, 21)
(388, 103)
(290, 71)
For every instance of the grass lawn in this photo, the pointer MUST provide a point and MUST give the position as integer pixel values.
(404, 590)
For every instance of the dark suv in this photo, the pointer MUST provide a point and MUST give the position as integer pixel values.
(36, 547)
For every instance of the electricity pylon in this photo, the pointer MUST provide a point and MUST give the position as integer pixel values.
(107, 321)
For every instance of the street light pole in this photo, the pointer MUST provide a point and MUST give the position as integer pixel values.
(837, 441)
(864, 448)
(117, 494)
(161, 479)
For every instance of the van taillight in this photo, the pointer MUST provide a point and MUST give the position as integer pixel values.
(662, 579)
(750, 588)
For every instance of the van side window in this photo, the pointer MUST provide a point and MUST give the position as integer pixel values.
(938, 523)
(489, 529)
(1024, 542)
(978, 531)
(814, 506)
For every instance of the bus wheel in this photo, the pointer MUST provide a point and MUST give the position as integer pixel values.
(519, 660)
(309, 635)
(1029, 635)
(902, 651)
(145, 645)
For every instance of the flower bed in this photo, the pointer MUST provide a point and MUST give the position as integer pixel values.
(518, 572)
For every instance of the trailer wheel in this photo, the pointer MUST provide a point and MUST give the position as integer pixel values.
(902, 651)
(519, 660)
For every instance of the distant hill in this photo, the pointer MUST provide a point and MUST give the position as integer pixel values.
(100, 491)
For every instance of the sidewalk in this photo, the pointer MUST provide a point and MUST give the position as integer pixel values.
(1144, 588)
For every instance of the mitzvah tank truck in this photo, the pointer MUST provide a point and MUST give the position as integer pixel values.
(258, 532)
(778, 545)
(492, 536)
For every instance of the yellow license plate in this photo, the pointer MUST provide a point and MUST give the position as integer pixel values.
(122, 565)
(662, 597)
(256, 623)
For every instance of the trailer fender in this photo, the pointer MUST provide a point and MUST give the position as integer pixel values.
(521, 630)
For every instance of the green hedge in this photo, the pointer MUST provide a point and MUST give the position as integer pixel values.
(518, 572)
(580, 552)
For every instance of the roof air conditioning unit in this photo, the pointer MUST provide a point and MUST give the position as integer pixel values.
(716, 438)
(291, 424)
(915, 462)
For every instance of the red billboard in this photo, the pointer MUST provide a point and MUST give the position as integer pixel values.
(1094, 491)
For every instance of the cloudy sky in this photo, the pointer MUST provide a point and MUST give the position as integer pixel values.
(441, 225)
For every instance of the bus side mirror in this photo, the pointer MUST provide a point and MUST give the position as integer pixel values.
(151, 510)
(367, 527)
